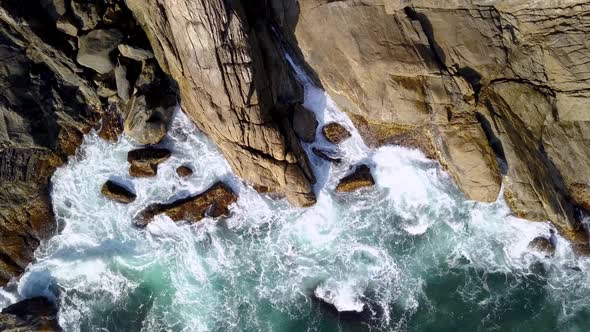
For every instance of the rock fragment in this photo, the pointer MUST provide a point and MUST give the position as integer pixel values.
(360, 178)
(135, 53)
(144, 162)
(184, 171)
(214, 202)
(335, 133)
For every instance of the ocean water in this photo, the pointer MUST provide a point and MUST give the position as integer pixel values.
(410, 254)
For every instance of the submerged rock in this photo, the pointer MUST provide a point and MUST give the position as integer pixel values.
(95, 49)
(117, 192)
(144, 162)
(184, 171)
(304, 123)
(542, 245)
(325, 155)
(335, 133)
(35, 314)
(214, 202)
(360, 178)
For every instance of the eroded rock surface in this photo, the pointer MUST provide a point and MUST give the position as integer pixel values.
(235, 85)
(468, 82)
(213, 202)
(335, 133)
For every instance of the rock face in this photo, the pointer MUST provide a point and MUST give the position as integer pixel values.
(214, 202)
(117, 192)
(235, 85)
(144, 162)
(36, 314)
(360, 178)
(468, 82)
(48, 103)
(335, 133)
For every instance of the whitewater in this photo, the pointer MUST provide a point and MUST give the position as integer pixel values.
(410, 254)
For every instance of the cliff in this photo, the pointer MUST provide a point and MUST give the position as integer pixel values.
(497, 91)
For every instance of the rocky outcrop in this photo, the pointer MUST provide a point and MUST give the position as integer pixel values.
(144, 162)
(35, 314)
(214, 202)
(468, 82)
(117, 192)
(305, 123)
(360, 178)
(49, 101)
(235, 85)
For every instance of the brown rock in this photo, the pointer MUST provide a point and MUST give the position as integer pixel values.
(111, 126)
(360, 178)
(35, 314)
(304, 123)
(144, 162)
(117, 192)
(542, 245)
(184, 171)
(335, 133)
(135, 53)
(214, 202)
(245, 81)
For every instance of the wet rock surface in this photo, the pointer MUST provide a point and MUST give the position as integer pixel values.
(184, 171)
(35, 314)
(144, 162)
(117, 192)
(304, 123)
(335, 133)
(213, 202)
(360, 178)
(543, 245)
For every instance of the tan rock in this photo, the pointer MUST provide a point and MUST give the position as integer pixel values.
(214, 202)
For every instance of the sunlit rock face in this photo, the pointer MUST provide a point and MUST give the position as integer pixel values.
(451, 77)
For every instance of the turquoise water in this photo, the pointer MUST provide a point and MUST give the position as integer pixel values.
(410, 254)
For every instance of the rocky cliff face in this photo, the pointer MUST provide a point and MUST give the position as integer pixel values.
(60, 73)
(235, 85)
(489, 88)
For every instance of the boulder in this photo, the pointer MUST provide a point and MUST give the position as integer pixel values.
(335, 133)
(542, 245)
(214, 202)
(135, 53)
(64, 25)
(117, 192)
(86, 13)
(94, 49)
(55, 8)
(304, 123)
(34, 314)
(184, 171)
(144, 162)
(360, 178)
